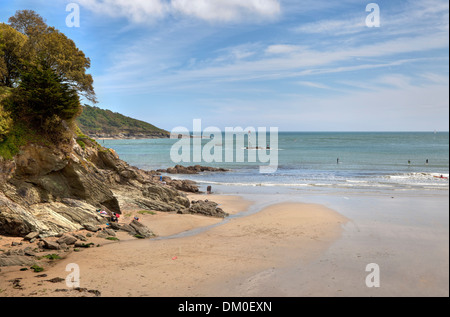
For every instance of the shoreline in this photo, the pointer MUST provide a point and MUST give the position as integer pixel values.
(197, 265)
(260, 250)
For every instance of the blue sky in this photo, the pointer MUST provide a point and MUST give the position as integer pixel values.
(296, 65)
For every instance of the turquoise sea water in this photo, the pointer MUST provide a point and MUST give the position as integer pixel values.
(309, 161)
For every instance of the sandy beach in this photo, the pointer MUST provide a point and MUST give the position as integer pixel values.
(230, 258)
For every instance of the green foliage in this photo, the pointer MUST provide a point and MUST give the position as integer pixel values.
(86, 245)
(5, 116)
(11, 54)
(48, 47)
(52, 257)
(27, 22)
(43, 102)
(19, 135)
(54, 50)
(95, 120)
(146, 212)
(42, 74)
(37, 268)
(81, 143)
(42, 94)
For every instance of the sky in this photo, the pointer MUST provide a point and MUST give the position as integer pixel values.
(309, 65)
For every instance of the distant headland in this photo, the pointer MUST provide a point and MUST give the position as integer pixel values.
(104, 124)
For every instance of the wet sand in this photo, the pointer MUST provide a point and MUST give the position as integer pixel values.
(231, 258)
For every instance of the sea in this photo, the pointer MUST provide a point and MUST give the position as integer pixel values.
(392, 188)
(317, 162)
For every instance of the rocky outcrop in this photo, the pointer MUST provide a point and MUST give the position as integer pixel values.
(141, 230)
(183, 185)
(16, 260)
(53, 190)
(206, 208)
(179, 169)
(129, 135)
(7, 168)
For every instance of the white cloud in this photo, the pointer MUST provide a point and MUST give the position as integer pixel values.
(227, 10)
(411, 17)
(435, 78)
(283, 49)
(140, 11)
(395, 81)
(335, 27)
(137, 10)
(314, 85)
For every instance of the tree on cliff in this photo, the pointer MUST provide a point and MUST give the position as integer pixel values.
(5, 121)
(50, 48)
(27, 22)
(11, 54)
(46, 75)
(43, 94)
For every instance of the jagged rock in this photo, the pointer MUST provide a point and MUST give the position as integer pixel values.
(31, 236)
(28, 251)
(7, 170)
(15, 220)
(79, 236)
(67, 239)
(51, 245)
(105, 233)
(91, 228)
(54, 189)
(56, 280)
(207, 208)
(16, 260)
(164, 199)
(19, 252)
(183, 185)
(180, 169)
(141, 229)
(123, 227)
(35, 160)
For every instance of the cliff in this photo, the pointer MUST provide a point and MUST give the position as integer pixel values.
(56, 189)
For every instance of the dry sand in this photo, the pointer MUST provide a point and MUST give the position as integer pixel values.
(225, 260)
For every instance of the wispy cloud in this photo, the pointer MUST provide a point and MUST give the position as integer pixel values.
(142, 11)
(283, 62)
(288, 72)
(314, 85)
(409, 17)
(335, 27)
(227, 10)
(138, 11)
